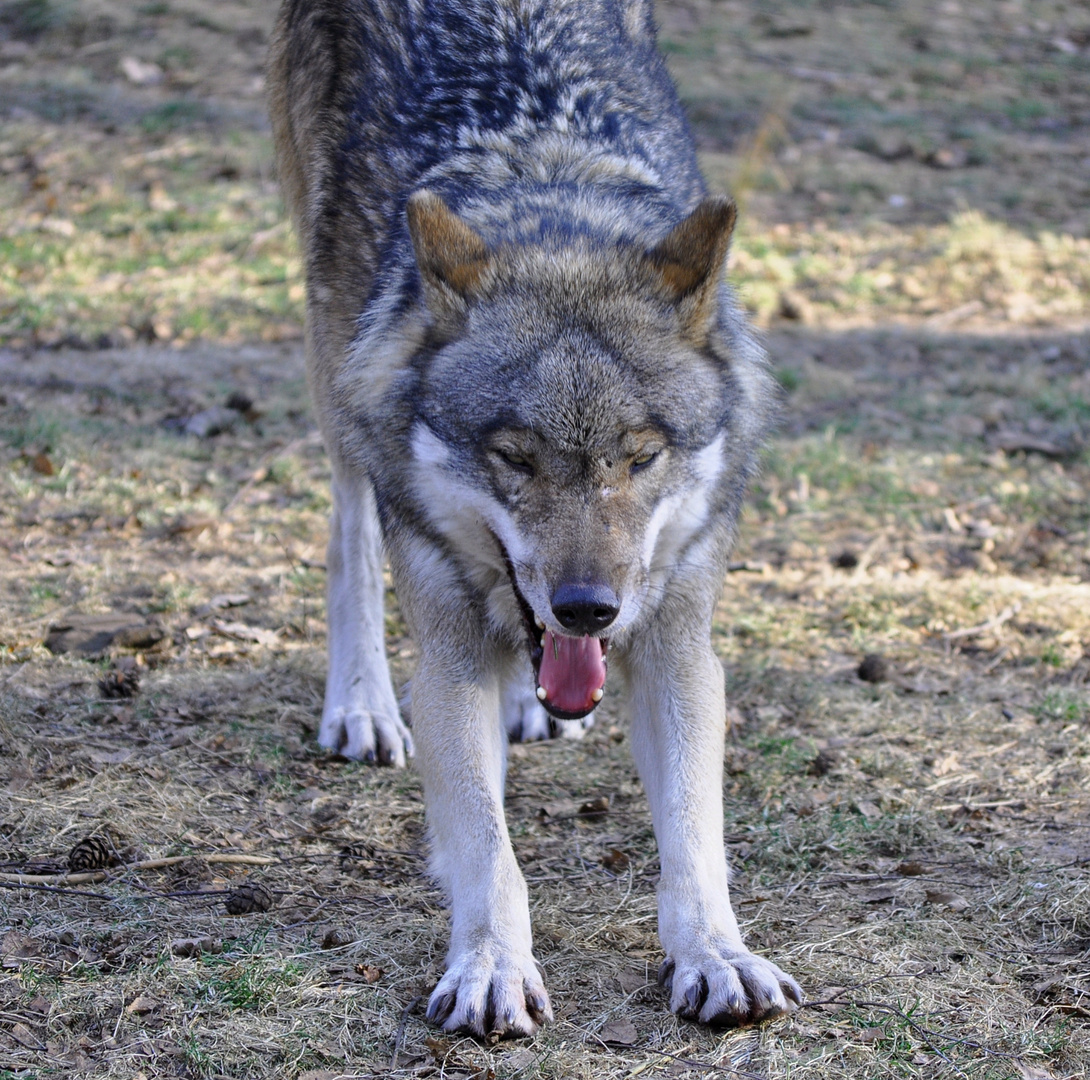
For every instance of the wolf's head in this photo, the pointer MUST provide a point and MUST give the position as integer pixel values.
(585, 425)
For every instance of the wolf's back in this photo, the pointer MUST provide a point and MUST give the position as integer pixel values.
(378, 94)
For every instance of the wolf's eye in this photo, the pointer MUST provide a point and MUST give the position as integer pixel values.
(644, 460)
(516, 461)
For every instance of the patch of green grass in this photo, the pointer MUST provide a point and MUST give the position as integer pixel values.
(1063, 706)
(252, 983)
(173, 116)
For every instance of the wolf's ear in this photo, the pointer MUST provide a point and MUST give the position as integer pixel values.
(452, 258)
(689, 262)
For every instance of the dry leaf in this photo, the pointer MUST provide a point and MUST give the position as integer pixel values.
(22, 1034)
(631, 981)
(369, 973)
(871, 1034)
(439, 1049)
(141, 1004)
(616, 861)
(911, 869)
(42, 465)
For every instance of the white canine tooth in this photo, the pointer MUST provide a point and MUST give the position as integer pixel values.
(541, 695)
(597, 695)
(540, 624)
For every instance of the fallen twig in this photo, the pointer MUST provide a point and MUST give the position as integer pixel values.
(52, 889)
(1005, 615)
(401, 1030)
(147, 864)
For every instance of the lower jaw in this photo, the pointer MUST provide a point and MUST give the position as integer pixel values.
(563, 714)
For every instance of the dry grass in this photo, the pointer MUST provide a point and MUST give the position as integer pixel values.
(915, 851)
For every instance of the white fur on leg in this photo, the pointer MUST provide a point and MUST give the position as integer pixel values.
(677, 739)
(492, 985)
(360, 718)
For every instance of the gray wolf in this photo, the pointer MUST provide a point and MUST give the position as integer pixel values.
(542, 402)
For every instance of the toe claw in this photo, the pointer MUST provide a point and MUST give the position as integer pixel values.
(440, 1007)
(666, 974)
(536, 1006)
(694, 998)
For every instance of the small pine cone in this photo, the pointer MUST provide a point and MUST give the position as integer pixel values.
(248, 899)
(91, 853)
(119, 684)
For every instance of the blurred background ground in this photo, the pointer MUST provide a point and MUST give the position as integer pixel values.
(915, 187)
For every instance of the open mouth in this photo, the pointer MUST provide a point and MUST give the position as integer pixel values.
(569, 672)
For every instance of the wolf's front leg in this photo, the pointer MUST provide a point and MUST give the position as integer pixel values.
(679, 719)
(492, 985)
(360, 717)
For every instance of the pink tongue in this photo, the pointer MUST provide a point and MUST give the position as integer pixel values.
(571, 670)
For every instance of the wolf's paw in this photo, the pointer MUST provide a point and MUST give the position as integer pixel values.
(366, 736)
(491, 998)
(526, 721)
(728, 989)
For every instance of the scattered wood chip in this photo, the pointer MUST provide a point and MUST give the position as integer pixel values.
(879, 895)
(947, 764)
(561, 808)
(954, 901)
(196, 946)
(618, 1033)
(243, 632)
(595, 807)
(871, 811)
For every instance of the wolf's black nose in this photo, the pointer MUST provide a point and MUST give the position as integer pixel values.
(585, 609)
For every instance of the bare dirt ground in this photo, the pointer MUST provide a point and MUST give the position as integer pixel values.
(913, 845)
